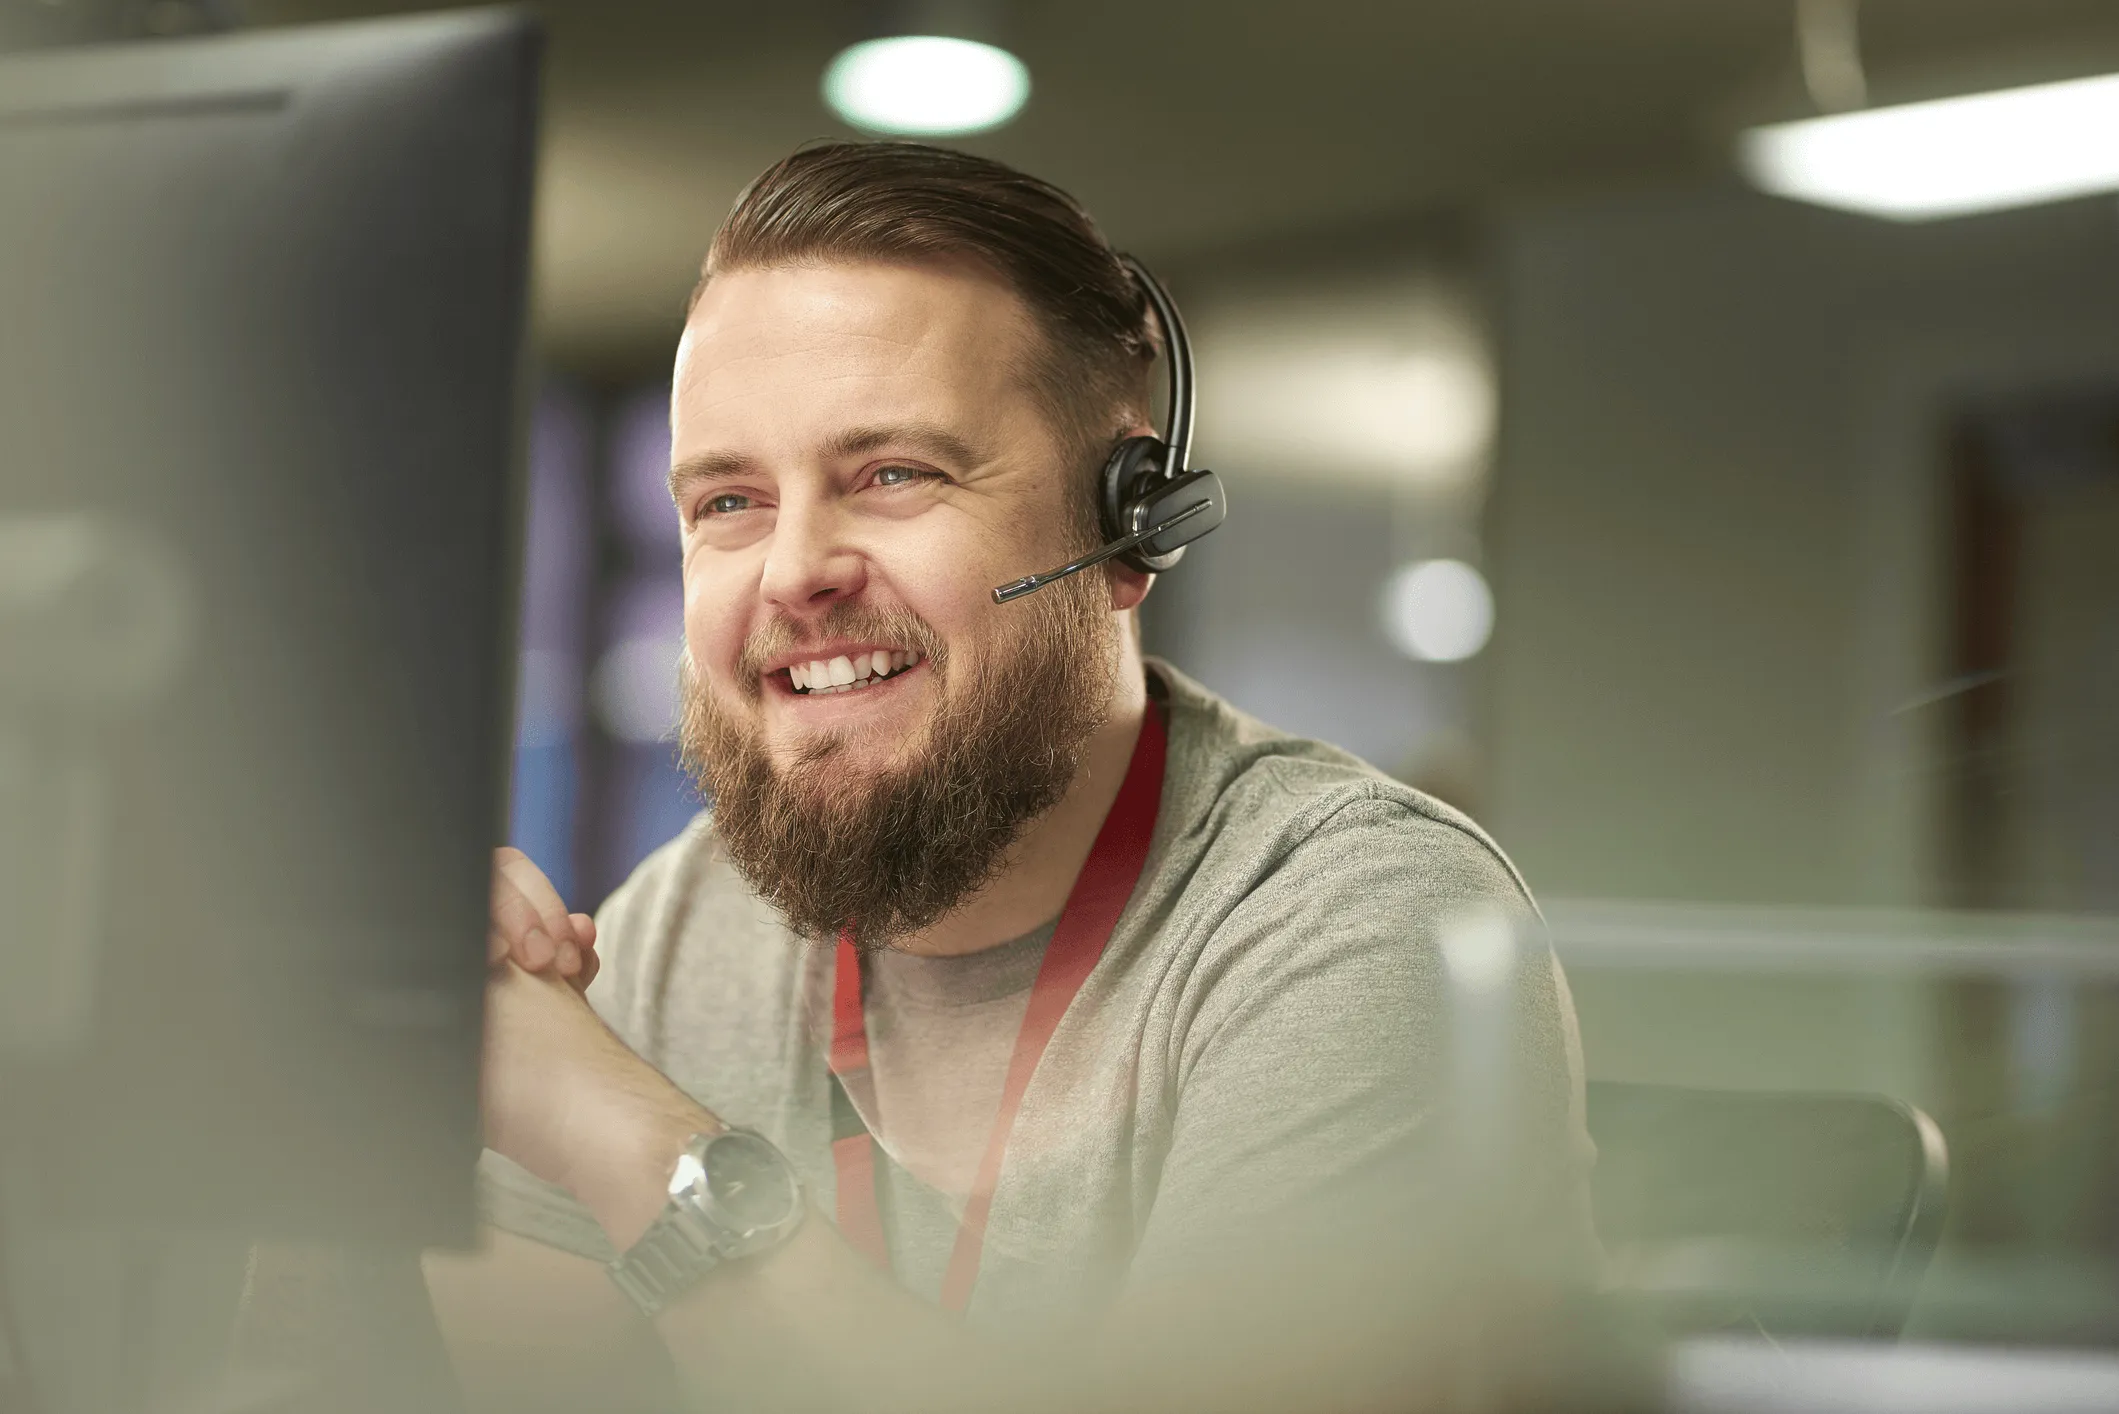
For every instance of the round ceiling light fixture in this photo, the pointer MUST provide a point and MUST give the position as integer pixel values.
(926, 85)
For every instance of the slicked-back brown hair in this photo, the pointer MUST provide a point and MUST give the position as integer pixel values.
(908, 201)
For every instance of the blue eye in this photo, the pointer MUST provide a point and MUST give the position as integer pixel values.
(900, 475)
(725, 505)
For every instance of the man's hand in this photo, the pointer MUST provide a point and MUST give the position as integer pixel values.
(531, 925)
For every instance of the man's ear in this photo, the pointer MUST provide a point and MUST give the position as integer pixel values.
(1128, 587)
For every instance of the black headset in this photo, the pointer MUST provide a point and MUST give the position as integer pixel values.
(1150, 505)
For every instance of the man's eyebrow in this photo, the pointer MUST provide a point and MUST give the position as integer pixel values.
(928, 437)
(707, 466)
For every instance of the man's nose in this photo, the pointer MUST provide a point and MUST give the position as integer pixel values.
(809, 566)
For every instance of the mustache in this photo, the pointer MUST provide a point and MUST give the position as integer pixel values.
(899, 627)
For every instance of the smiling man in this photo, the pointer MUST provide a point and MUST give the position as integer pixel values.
(1051, 1000)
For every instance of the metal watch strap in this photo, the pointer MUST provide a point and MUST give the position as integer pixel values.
(695, 1233)
(675, 1251)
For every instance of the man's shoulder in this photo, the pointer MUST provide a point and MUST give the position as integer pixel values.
(1262, 798)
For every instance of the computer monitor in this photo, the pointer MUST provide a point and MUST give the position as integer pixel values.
(261, 327)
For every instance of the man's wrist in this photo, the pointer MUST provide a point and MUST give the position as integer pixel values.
(622, 1148)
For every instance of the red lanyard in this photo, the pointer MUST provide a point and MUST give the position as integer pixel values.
(1099, 896)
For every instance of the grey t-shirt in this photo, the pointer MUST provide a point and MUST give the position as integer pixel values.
(1274, 1011)
(941, 1033)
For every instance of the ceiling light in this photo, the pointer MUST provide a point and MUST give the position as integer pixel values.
(926, 85)
(1949, 157)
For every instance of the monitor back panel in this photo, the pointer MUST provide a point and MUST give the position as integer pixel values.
(261, 314)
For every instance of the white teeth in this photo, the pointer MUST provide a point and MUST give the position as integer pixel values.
(847, 672)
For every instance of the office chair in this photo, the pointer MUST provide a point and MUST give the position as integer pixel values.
(1782, 1214)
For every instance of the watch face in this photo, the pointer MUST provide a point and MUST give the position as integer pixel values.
(750, 1184)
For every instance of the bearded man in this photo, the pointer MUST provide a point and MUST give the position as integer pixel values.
(1063, 998)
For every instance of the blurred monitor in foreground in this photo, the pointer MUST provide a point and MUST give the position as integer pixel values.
(258, 420)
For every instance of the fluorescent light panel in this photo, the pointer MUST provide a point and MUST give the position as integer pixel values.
(1949, 157)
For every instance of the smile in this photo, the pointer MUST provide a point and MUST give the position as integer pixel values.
(849, 674)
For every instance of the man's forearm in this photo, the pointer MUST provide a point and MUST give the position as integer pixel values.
(812, 1320)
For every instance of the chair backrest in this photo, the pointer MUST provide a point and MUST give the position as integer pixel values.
(1797, 1214)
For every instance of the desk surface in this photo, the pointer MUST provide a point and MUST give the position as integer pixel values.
(1739, 1376)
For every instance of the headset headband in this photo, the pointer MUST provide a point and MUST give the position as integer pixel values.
(1177, 356)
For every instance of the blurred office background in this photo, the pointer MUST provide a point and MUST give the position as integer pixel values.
(1747, 566)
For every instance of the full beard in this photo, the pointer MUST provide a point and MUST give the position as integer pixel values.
(881, 854)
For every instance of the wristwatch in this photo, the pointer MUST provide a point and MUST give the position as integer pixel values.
(733, 1194)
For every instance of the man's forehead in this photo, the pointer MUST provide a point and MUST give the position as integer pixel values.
(870, 311)
(869, 342)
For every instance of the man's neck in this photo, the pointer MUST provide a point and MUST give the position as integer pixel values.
(1033, 886)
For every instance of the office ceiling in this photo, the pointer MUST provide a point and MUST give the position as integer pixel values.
(1192, 126)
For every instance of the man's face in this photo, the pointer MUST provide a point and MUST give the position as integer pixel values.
(856, 440)
(857, 461)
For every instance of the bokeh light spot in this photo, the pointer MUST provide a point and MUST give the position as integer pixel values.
(1438, 611)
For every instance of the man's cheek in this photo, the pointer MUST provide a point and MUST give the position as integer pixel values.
(715, 650)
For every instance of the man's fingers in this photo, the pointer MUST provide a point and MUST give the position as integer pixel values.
(513, 915)
(536, 951)
(517, 869)
(531, 923)
(585, 934)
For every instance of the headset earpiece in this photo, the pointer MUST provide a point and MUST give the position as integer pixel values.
(1133, 473)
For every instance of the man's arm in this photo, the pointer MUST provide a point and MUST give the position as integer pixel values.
(1380, 1001)
(810, 1323)
(531, 1328)
(1377, 1163)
